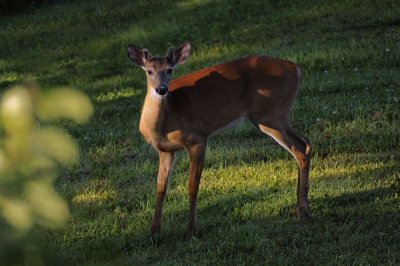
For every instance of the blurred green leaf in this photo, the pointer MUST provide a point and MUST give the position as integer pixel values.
(50, 207)
(29, 158)
(67, 103)
(53, 144)
(17, 213)
(16, 110)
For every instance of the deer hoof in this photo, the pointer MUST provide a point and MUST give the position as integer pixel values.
(190, 234)
(303, 213)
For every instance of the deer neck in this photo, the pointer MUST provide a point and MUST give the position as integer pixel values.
(154, 115)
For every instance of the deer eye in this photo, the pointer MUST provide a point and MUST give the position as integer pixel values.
(149, 72)
(169, 71)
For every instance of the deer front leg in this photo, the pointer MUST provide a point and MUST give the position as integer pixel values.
(197, 156)
(164, 171)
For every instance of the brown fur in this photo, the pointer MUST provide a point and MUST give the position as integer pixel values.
(259, 88)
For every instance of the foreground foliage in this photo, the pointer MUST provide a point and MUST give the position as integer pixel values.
(348, 107)
(29, 156)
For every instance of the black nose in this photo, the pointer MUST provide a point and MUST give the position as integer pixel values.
(162, 90)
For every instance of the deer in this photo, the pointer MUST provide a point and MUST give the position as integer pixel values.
(181, 114)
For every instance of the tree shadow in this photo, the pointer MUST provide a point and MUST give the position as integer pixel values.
(238, 218)
(175, 25)
(106, 28)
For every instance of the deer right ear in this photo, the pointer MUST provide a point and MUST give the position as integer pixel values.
(181, 53)
(136, 55)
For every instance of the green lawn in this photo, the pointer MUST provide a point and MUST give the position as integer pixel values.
(348, 107)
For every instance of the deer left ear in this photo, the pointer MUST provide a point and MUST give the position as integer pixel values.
(180, 54)
(137, 56)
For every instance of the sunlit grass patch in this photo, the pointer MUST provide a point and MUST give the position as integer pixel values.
(92, 197)
(113, 95)
(347, 106)
(10, 76)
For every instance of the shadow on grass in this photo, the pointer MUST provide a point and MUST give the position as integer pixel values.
(88, 41)
(254, 221)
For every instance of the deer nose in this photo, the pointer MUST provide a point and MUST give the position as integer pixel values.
(162, 89)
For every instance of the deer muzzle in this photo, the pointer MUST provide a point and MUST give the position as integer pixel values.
(162, 90)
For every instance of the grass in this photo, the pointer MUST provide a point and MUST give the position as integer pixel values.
(348, 107)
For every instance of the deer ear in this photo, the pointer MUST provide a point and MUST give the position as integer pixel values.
(170, 55)
(137, 56)
(147, 54)
(182, 53)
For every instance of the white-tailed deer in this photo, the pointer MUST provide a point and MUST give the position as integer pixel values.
(183, 113)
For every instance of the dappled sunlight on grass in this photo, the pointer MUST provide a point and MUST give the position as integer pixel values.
(113, 95)
(9, 76)
(94, 197)
(347, 106)
(247, 177)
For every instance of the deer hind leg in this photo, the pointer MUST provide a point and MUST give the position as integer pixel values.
(165, 168)
(300, 148)
(197, 156)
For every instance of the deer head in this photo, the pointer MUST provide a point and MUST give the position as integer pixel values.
(159, 69)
